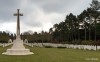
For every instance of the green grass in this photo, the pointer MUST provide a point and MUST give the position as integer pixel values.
(53, 55)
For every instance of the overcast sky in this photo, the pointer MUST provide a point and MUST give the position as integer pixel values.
(38, 14)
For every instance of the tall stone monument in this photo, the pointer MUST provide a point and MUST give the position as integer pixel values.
(18, 47)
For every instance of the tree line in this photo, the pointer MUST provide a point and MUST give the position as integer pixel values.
(80, 29)
(5, 36)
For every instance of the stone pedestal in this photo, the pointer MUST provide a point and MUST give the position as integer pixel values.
(18, 49)
(18, 52)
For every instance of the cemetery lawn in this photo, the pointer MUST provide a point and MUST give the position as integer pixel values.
(53, 55)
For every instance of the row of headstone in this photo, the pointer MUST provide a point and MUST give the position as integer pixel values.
(88, 47)
(26, 43)
(6, 44)
(29, 44)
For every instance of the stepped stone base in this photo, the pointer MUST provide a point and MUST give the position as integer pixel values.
(18, 49)
(18, 52)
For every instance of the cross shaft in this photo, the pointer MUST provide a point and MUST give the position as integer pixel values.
(18, 14)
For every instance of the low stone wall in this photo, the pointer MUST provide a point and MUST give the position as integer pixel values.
(88, 47)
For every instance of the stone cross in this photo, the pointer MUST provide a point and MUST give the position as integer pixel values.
(18, 14)
(18, 47)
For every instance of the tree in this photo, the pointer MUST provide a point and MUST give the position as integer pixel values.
(51, 33)
(95, 6)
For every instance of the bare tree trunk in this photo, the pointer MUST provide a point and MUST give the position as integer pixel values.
(75, 34)
(78, 35)
(85, 33)
(89, 33)
(95, 34)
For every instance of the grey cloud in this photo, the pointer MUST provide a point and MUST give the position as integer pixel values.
(7, 8)
(31, 20)
(51, 5)
(33, 23)
(31, 15)
(58, 5)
